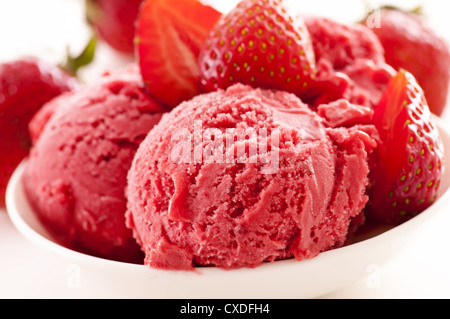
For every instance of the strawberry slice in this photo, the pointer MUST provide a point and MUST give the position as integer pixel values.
(169, 34)
(259, 44)
(409, 160)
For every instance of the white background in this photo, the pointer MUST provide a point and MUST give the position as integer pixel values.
(48, 28)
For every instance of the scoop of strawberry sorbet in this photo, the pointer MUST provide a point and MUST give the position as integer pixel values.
(84, 143)
(242, 177)
(350, 61)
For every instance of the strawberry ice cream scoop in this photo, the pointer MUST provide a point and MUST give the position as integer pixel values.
(76, 173)
(242, 177)
(349, 57)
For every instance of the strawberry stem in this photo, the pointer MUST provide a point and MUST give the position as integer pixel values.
(417, 10)
(73, 64)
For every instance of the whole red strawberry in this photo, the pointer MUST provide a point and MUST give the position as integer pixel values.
(411, 44)
(169, 35)
(409, 161)
(25, 85)
(260, 44)
(114, 21)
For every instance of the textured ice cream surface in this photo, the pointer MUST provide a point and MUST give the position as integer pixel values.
(343, 113)
(368, 81)
(84, 143)
(341, 44)
(242, 177)
(350, 55)
(40, 119)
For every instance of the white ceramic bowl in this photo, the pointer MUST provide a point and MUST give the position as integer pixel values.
(324, 274)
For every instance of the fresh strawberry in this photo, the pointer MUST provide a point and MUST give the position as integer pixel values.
(258, 43)
(409, 161)
(25, 85)
(114, 21)
(411, 44)
(168, 38)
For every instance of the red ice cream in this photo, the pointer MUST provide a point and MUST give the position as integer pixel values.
(84, 143)
(349, 57)
(245, 176)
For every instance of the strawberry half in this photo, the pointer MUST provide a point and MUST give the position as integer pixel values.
(259, 44)
(410, 43)
(409, 160)
(169, 35)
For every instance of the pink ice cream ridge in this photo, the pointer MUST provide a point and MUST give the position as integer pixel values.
(349, 57)
(84, 143)
(242, 177)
